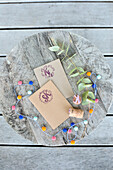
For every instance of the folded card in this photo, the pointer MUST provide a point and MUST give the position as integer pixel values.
(55, 72)
(51, 104)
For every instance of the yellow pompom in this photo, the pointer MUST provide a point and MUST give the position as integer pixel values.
(44, 128)
(72, 142)
(88, 73)
(91, 111)
(19, 97)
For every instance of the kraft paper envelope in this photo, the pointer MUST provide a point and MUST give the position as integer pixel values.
(55, 72)
(51, 104)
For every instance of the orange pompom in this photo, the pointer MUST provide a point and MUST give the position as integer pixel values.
(44, 128)
(19, 97)
(91, 111)
(72, 142)
(88, 73)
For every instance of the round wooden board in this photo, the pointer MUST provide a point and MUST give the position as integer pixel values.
(33, 52)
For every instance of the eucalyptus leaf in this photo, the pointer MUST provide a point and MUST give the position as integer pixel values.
(74, 75)
(60, 52)
(86, 80)
(85, 102)
(81, 86)
(88, 85)
(80, 69)
(55, 43)
(91, 101)
(63, 46)
(54, 48)
(69, 66)
(83, 73)
(72, 71)
(84, 95)
(80, 80)
(91, 94)
(71, 57)
(67, 49)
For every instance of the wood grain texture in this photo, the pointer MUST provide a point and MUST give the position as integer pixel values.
(56, 1)
(56, 15)
(59, 158)
(102, 38)
(22, 60)
(101, 135)
(3, 72)
(8, 135)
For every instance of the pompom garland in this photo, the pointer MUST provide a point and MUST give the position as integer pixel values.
(68, 130)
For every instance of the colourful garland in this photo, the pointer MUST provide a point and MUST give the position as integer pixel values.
(65, 130)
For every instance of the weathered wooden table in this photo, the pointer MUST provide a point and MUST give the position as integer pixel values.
(90, 19)
(34, 52)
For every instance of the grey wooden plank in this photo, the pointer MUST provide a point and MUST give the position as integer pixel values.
(101, 135)
(56, 1)
(56, 158)
(102, 38)
(56, 15)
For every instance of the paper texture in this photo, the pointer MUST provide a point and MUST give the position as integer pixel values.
(55, 72)
(51, 104)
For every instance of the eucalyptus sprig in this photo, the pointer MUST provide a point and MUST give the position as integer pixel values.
(83, 82)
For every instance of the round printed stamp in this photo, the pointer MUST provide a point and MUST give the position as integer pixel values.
(48, 71)
(45, 96)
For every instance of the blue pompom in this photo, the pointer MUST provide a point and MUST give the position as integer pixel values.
(21, 117)
(72, 124)
(64, 130)
(30, 82)
(94, 86)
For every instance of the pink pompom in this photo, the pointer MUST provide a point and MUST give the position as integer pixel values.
(13, 107)
(53, 137)
(96, 100)
(69, 131)
(19, 82)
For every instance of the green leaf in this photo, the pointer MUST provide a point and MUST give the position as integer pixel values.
(55, 43)
(60, 52)
(62, 46)
(86, 80)
(69, 66)
(71, 57)
(63, 58)
(74, 75)
(85, 102)
(72, 71)
(80, 69)
(54, 48)
(67, 49)
(80, 80)
(91, 94)
(88, 85)
(81, 86)
(91, 101)
(83, 73)
(84, 95)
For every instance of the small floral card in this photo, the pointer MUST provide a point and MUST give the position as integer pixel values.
(51, 104)
(55, 72)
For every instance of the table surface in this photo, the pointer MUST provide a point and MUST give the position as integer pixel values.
(34, 52)
(94, 22)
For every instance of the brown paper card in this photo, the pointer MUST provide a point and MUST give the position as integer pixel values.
(55, 72)
(51, 104)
